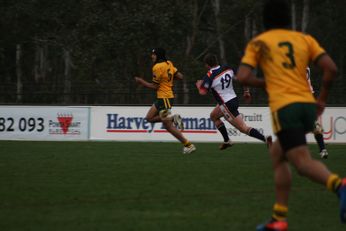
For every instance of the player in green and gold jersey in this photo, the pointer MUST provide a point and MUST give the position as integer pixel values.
(283, 55)
(164, 74)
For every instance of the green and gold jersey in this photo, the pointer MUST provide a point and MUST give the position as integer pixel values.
(283, 56)
(163, 74)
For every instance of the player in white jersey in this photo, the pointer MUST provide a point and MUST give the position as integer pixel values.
(219, 80)
(318, 130)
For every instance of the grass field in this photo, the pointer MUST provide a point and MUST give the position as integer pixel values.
(152, 186)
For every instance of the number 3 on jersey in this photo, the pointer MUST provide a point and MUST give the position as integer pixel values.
(289, 54)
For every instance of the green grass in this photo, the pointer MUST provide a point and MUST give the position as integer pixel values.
(152, 186)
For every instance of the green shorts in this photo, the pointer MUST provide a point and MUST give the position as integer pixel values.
(163, 104)
(295, 116)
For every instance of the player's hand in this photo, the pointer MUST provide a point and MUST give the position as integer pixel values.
(138, 80)
(247, 97)
(320, 107)
(178, 76)
(199, 83)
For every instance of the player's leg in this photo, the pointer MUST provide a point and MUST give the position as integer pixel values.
(232, 115)
(188, 146)
(165, 106)
(153, 114)
(295, 121)
(318, 134)
(316, 171)
(215, 116)
(282, 180)
(282, 174)
(291, 129)
(160, 109)
(341, 192)
(178, 121)
(291, 124)
(239, 123)
(298, 154)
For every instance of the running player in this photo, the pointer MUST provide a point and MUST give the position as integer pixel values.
(283, 56)
(219, 80)
(164, 74)
(318, 130)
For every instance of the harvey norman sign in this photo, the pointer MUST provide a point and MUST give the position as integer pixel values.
(129, 124)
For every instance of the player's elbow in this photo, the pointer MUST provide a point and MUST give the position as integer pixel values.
(202, 91)
(179, 76)
(244, 75)
(328, 66)
(242, 78)
(154, 86)
(329, 75)
(333, 71)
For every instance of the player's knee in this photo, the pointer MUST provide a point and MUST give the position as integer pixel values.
(316, 132)
(164, 124)
(213, 117)
(150, 119)
(302, 167)
(318, 128)
(167, 124)
(243, 129)
(300, 170)
(218, 123)
(164, 114)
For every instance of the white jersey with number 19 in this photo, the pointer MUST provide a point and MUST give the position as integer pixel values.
(219, 81)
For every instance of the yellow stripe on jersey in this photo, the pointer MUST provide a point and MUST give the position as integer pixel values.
(163, 74)
(164, 102)
(276, 122)
(283, 56)
(168, 103)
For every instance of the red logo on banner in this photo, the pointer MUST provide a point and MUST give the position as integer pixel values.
(65, 122)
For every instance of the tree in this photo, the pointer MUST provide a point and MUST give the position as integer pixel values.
(87, 51)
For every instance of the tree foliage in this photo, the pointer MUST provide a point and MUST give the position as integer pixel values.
(87, 51)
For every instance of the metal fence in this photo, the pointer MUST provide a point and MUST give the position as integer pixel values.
(87, 93)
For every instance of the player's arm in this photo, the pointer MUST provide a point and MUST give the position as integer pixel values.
(178, 75)
(201, 90)
(146, 84)
(329, 69)
(246, 94)
(246, 77)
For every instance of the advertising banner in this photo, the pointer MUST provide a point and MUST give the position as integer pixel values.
(129, 124)
(333, 121)
(44, 123)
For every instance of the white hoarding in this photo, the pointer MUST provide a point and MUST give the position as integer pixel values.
(44, 123)
(127, 123)
(333, 122)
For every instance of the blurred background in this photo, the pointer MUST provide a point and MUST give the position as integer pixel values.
(86, 52)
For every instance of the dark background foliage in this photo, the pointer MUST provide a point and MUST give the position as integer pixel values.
(88, 51)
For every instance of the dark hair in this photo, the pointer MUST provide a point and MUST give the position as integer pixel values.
(210, 60)
(160, 54)
(276, 14)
